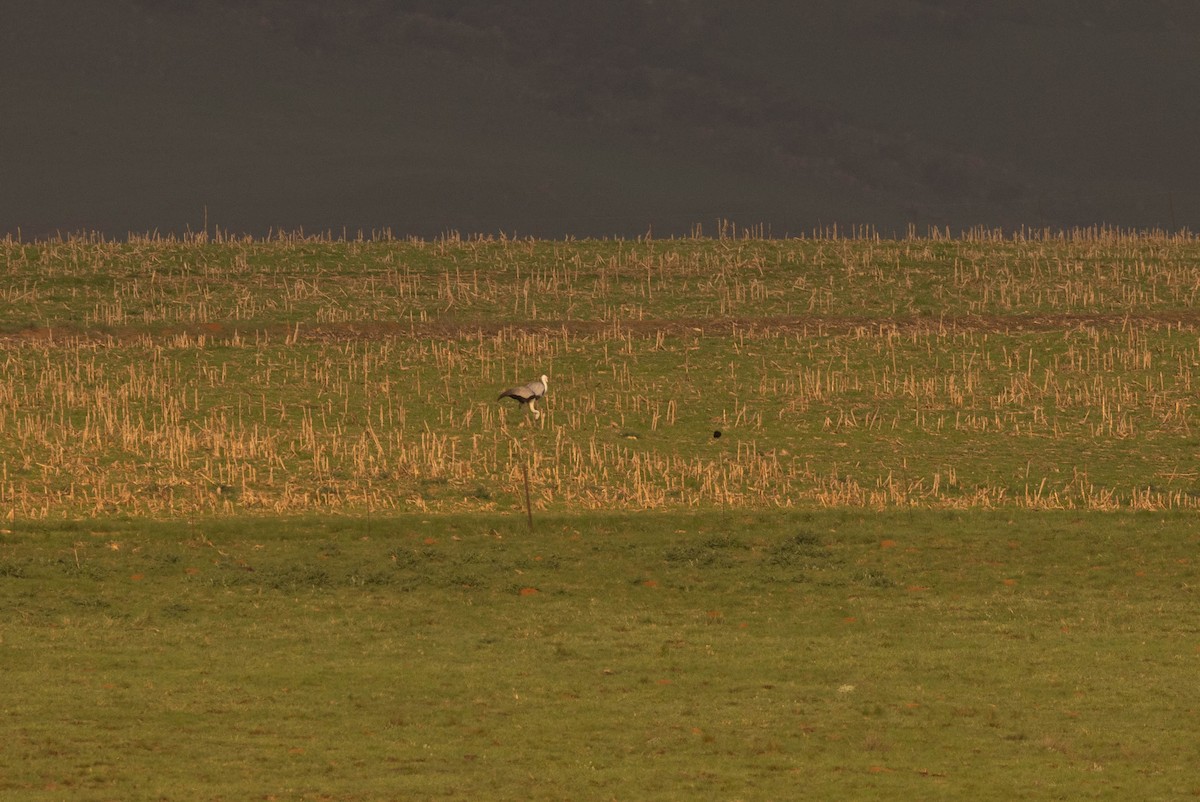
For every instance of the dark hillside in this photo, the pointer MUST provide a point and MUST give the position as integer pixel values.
(596, 118)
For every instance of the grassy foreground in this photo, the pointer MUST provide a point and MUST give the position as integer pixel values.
(663, 655)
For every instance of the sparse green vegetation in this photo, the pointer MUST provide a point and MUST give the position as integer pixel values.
(165, 377)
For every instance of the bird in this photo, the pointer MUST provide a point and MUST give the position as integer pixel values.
(529, 394)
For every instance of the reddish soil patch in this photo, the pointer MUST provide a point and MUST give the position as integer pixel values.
(814, 325)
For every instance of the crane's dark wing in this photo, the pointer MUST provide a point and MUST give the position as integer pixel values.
(523, 394)
(526, 392)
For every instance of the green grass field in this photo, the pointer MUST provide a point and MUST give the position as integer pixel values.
(715, 655)
(265, 534)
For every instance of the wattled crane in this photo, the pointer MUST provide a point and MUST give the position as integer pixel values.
(528, 394)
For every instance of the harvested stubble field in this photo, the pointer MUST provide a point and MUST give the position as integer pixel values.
(265, 535)
(160, 377)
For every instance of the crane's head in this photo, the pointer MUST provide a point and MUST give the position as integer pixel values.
(545, 380)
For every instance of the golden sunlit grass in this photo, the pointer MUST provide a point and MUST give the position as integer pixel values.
(164, 377)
